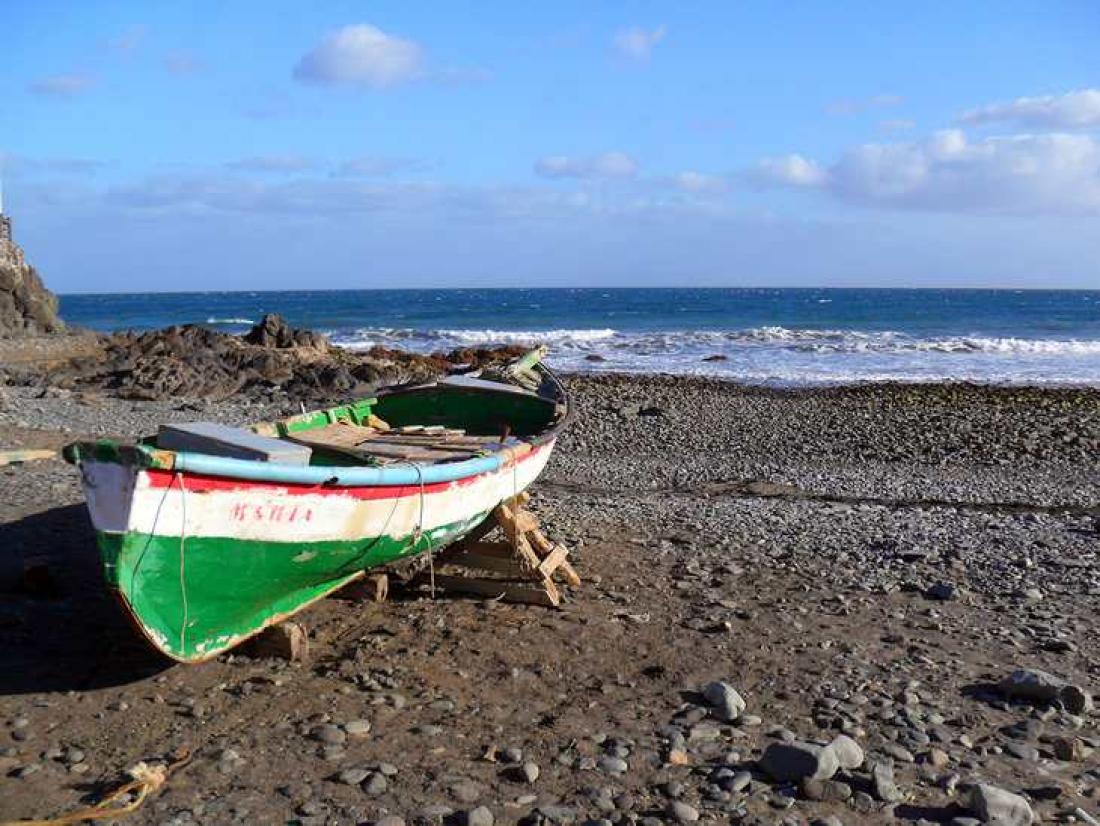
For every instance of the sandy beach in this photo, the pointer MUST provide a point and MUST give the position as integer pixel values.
(868, 561)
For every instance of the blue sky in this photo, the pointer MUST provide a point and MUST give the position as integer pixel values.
(353, 144)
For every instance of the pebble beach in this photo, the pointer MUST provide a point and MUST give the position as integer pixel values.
(853, 605)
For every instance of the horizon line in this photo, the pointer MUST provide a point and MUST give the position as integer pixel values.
(659, 287)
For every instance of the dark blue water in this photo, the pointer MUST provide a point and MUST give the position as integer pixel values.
(784, 336)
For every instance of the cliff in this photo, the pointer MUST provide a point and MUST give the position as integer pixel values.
(26, 306)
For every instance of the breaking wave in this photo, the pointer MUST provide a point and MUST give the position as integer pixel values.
(229, 322)
(441, 339)
(821, 341)
(776, 355)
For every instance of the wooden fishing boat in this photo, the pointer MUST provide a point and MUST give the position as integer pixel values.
(209, 534)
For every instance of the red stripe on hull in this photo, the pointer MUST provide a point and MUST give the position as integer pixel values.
(200, 483)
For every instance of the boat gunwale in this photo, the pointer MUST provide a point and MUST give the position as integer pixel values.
(330, 476)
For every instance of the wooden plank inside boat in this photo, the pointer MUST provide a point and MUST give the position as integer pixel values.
(366, 442)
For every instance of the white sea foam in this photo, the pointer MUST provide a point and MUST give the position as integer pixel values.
(370, 336)
(778, 355)
(229, 321)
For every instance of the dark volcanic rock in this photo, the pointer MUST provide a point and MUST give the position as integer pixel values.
(272, 361)
(273, 331)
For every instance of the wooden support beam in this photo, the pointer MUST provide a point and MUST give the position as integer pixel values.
(485, 562)
(378, 586)
(544, 545)
(553, 560)
(511, 591)
(519, 500)
(285, 640)
(527, 560)
(17, 457)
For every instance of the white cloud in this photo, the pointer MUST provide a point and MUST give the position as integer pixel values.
(700, 182)
(1050, 173)
(371, 166)
(853, 106)
(606, 165)
(272, 163)
(1073, 110)
(362, 56)
(63, 86)
(23, 166)
(636, 43)
(789, 170)
(896, 125)
(202, 194)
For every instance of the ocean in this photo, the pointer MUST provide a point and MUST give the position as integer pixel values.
(768, 336)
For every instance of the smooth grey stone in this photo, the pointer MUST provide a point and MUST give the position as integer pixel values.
(353, 777)
(794, 761)
(681, 812)
(886, 790)
(375, 784)
(848, 752)
(995, 805)
(724, 701)
(357, 728)
(613, 765)
(481, 816)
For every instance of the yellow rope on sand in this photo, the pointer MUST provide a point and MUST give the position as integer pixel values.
(145, 780)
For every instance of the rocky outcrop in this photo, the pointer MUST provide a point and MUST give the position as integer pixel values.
(26, 306)
(273, 331)
(273, 362)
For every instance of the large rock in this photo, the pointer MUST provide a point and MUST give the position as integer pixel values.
(848, 751)
(26, 306)
(795, 761)
(724, 701)
(999, 807)
(1036, 686)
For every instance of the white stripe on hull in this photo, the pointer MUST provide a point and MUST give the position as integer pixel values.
(269, 513)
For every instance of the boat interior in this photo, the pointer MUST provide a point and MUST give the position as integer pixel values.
(453, 419)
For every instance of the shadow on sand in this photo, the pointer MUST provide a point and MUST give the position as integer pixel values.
(63, 630)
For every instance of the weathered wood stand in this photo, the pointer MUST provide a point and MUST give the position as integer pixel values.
(520, 567)
(524, 562)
